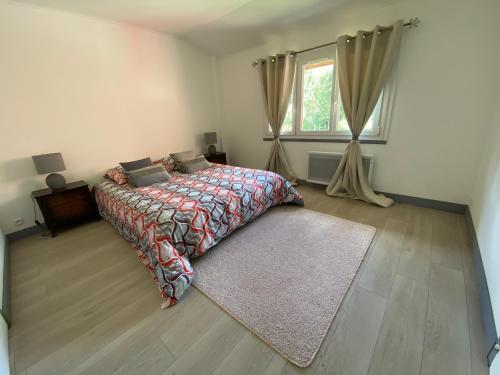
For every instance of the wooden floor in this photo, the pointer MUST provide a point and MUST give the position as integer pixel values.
(84, 304)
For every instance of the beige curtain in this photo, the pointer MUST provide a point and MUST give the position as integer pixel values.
(363, 65)
(276, 76)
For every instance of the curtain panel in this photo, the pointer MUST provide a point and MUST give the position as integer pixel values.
(276, 77)
(363, 64)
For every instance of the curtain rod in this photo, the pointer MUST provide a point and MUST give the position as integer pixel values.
(413, 22)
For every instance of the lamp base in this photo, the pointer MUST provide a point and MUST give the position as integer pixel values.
(212, 150)
(55, 181)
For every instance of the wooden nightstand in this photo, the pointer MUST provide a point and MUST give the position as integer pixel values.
(68, 206)
(219, 158)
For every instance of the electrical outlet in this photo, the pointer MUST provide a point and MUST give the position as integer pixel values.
(18, 221)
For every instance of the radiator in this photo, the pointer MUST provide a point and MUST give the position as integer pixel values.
(322, 166)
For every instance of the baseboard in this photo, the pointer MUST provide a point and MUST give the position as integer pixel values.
(487, 317)
(415, 201)
(26, 232)
(6, 310)
(427, 203)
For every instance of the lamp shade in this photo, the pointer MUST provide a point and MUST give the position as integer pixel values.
(210, 138)
(49, 163)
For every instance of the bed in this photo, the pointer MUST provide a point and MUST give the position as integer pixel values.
(171, 222)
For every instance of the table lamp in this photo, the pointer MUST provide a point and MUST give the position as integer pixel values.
(211, 140)
(51, 163)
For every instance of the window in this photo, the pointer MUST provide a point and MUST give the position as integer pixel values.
(315, 109)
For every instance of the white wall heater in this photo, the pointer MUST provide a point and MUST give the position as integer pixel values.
(322, 166)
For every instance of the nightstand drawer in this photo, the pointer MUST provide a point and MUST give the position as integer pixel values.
(66, 197)
(76, 211)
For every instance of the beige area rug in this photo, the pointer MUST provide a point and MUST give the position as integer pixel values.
(284, 276)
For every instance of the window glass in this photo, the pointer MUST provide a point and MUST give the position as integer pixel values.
(371, 127)
(317, 95)
(287, 127)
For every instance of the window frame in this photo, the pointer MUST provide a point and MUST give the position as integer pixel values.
(384, 111)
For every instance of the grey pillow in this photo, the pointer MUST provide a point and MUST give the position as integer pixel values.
(180, 157)
(136, 164)
(147, 176)
(194, 165)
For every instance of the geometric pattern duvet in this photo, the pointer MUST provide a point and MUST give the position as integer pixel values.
(170, 222)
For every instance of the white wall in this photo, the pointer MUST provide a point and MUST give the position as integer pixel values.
(485, 209)
(443, 92)
(97, 91)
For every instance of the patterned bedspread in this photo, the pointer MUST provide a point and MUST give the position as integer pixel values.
(184, 217)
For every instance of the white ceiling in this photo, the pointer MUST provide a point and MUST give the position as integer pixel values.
(217, 26)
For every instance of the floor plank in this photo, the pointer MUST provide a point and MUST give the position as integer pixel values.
(250, 356)
(446, 345)
(55, 333)
(86, 346)
(206, 354)
(399, 345)
(275, 367)
(415, 257)
(384, 258)
(190, 326)
(148, 356)
(356, 334)
(446, 249)
(478, 361)
(124, 346)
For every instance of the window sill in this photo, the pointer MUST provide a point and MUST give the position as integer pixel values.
(325, 139)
